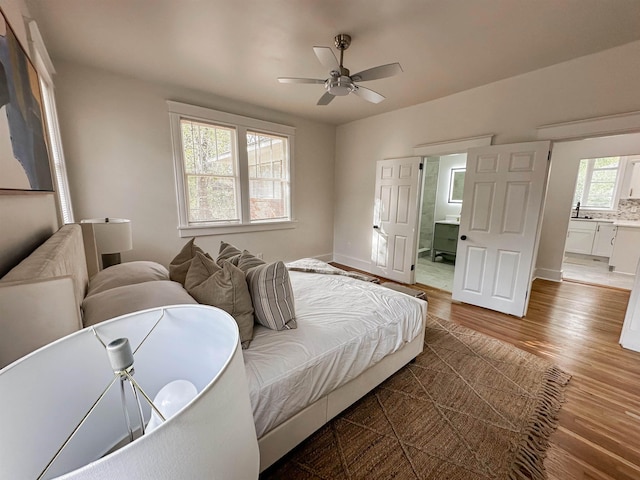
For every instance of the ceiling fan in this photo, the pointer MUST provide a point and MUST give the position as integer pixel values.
(340, 82)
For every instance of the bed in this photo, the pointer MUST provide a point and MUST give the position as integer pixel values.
(351, 334)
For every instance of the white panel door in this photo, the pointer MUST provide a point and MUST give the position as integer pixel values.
(499, 225)
(395, 218)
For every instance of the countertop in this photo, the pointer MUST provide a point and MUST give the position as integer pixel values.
(449, 222)
(627, 223)
(617, 223)
(601, 220)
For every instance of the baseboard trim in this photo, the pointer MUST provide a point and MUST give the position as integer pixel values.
(327, 257)
(352, 262)
(548, 274)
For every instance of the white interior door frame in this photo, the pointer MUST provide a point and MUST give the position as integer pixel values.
(617, 124)
(438, 149)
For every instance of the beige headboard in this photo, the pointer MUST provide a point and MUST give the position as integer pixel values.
(40, 298)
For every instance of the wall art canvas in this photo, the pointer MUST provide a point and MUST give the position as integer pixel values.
(24, 158)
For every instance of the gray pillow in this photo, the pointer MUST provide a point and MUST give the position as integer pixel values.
(179, 266)
(272, 296)
(228, 252)
(128, 273)
(224, 287)
(247, 261)
(132, 298)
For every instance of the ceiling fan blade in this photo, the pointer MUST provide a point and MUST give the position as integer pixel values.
(368, 94)
(327, 58)
(375, 73)
(299, 80)
(325, 99)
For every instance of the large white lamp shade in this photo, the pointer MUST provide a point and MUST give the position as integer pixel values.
(44, 396)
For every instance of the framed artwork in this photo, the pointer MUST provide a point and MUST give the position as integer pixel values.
(24, 157)
(456, 185)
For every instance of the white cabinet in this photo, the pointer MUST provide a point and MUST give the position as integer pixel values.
(634, 184)
(630, 337)
(631, 181)
(604, 240)
(626, 251)
(580, 236)
(590, 237)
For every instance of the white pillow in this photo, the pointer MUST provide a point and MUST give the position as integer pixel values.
(126, 274)
(132, 298)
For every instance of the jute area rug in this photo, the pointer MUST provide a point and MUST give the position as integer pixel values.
(470, 407)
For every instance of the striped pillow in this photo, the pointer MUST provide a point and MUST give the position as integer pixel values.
(272, 296)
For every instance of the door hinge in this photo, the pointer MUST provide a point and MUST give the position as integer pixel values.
(549, 156)
(413, 267)
(421, 166)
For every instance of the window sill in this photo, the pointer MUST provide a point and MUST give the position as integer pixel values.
(203, 230)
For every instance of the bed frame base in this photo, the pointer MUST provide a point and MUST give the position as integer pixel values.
(283, 438)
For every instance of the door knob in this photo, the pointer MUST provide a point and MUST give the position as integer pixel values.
(376, 227)
(463, 237)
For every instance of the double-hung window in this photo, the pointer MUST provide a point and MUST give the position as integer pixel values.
(233, 173)
(598, 183)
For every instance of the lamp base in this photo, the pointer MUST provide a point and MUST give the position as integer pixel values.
(109, 259)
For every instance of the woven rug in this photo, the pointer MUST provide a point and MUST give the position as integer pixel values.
(469, 407)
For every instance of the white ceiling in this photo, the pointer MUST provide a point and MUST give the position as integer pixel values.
(238, 48)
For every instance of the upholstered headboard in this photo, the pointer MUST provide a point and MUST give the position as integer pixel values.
(40, 298)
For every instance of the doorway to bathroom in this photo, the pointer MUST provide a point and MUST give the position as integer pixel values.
(439, 219)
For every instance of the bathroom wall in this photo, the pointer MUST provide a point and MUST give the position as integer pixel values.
(443, 207)
(429, 192)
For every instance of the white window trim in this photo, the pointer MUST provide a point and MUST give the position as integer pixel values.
(43, 65)
(617, 187)
(177, 111)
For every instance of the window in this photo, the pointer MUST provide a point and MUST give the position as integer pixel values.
(597, 185)
(45, 70)
(233, 173)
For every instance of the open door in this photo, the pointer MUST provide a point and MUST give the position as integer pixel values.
(499, 226)
(395, 218)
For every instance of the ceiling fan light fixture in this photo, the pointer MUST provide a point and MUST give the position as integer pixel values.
(340, 86)
(340, 82)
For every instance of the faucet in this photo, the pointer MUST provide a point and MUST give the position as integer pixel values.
(577, 210)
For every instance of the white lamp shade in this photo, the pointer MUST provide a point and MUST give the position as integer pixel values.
(46, 394)
(112, 236)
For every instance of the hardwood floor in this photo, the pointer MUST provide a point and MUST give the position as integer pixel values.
(577, 327)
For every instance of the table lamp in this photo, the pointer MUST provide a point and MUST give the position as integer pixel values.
(62, 413)
(113, 235)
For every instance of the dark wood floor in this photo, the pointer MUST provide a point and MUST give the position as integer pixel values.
(577, 327)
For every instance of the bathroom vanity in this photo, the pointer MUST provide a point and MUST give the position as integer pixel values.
(445, 238)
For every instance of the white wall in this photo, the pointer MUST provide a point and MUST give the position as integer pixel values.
(565, 161)
(117, 141)
(26, 219)
(443, 207)
(596, 85)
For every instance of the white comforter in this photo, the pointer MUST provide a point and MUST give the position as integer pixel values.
(345, 326)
